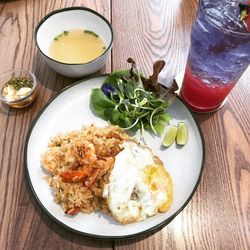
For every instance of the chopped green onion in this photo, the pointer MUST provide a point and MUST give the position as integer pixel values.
(91, 33)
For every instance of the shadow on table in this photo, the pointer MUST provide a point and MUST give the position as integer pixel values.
(200, 118)
(51, 79)
(182, 19)
(9, 111)
(47, 76)
(7, 1)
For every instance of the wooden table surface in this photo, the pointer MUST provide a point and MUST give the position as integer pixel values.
(217, 217)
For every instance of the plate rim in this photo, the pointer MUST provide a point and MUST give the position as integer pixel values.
(150, 230)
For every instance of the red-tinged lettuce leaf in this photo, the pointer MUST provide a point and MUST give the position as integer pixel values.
(152, 84)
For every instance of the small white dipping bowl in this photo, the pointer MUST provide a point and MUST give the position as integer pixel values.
(68, 19)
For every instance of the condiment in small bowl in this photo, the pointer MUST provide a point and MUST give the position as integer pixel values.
(18, 88)
(60, 26)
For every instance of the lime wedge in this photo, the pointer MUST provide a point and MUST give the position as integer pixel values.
(182, 134)
(170, 136)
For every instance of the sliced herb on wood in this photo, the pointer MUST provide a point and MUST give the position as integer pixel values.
(244, 11)
(245, 15)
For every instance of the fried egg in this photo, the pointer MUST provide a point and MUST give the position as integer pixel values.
(139, 185)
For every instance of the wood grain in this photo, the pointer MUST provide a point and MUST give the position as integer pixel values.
(217, 217)
(22, 223)
(153, 30)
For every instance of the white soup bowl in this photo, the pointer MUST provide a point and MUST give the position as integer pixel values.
(69, 19)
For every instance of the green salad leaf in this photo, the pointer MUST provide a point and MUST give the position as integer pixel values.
(128, 99)
(101, 102)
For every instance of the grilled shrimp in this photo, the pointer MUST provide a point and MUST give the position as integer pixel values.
(81, 153)
(89, 173)
(52, 160)
(75, 176)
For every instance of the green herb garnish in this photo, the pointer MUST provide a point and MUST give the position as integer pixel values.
(66, 33)
(244, 11)
(133, 102)
(91, 33)
(104, 47)
(19, 82)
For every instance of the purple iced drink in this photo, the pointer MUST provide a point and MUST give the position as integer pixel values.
(218, 56)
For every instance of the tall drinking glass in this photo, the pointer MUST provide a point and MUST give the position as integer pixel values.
(218, 55)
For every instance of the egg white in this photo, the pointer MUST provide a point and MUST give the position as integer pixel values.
(135, 190)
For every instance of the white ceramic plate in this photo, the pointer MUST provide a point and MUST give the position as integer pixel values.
(70, 110)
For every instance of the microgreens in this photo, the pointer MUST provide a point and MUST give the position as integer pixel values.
(128, 99)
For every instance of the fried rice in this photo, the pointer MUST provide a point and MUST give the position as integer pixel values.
(79, 164)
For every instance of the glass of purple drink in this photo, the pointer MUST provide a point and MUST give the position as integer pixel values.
(218, 55)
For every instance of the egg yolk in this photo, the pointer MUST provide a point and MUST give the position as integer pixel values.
(159, 181)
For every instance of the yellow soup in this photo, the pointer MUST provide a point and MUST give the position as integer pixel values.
(76, 46)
